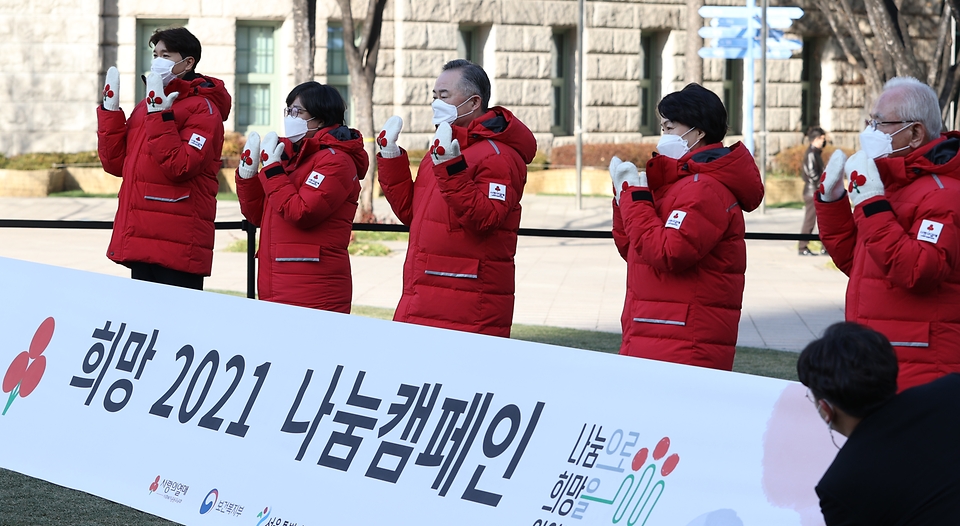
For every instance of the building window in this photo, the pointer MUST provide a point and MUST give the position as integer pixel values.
(561, 78)
(651, 47)
(338, 76)
(470, 43)
(733, 95)
(145, 29)
(257, 80)
(810, 85)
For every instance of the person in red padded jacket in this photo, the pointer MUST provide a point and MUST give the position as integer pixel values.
(463, 209)
(304, 200)
(168, 154)
(900, 245)
(680, 228)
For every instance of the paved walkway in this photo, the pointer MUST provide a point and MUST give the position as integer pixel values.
(561, 282)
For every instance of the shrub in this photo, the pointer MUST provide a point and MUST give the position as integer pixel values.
(788, 162)
(599, 155)
(538, 163)
(45, 161)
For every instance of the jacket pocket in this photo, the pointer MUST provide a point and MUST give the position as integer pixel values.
(296, 253)
(451, 267)
(660, 313)
(164, 193)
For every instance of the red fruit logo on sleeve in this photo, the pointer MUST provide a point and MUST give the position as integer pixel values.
(857, 180)
(24, 374)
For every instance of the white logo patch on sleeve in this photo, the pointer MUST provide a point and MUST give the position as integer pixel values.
(676, 219)
(497, 191)
(314, 180)
(197, 141)
(929, 231)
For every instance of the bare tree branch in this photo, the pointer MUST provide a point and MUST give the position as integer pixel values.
(893, 43)
(935, 76)
(873, 77)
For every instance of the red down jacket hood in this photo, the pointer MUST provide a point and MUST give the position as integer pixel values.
(209, 88)
(938, 156)
(734, 167)
(499, 125)
(338, 137)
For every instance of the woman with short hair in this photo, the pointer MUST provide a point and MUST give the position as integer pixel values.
(680, 227)
(304, 200)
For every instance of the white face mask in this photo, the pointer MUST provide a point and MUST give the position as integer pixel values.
(674, 146)
(164, 67)
(877, 144)
(295, 128)
(446, 112)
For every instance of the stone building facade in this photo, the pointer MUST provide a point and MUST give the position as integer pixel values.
(58, 52)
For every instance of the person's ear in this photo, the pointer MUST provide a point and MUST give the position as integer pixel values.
(918, 133)
(825, 410)
(188, 63)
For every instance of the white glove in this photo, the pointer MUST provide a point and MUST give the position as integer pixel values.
(250, 158)
(864, 178)
(624, 174)
(831, 180)
(445, 147)
(387, 140)
(111, 90)
(157, 100)
(272, 149)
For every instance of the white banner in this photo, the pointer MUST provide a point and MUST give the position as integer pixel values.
(209, 409)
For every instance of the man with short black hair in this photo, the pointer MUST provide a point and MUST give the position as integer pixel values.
(463, 209)
(168, 154)
(901, 243)
(901, 461)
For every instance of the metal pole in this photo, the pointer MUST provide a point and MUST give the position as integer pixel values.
(748, 78)
(578, 104)
(764, 34)
(251, 230)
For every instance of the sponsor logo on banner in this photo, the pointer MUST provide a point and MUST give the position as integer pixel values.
(929, 231)
(263, 516)
(599, 476)
(676, 219)
(212, 502)
(172, 490)
(26, 370)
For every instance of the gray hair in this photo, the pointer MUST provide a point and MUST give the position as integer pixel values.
(473, 80)
(918, 102)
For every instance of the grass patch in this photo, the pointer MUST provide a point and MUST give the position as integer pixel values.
(46, 161)
(79, 193)
(369, 235)
(795, 205)
(239, 245)
(26, 501)
(368, 249)
(227, 196)
(228, 292)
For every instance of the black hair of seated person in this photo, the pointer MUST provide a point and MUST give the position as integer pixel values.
(321, 101)
(699, 108)
(851, 366)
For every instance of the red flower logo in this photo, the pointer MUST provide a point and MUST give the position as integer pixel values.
(382, 138)
(929, 227)
(107, 92)
(245, 157)
(823, 178)
(857, 180)
(155, 484)
(152, 97)
(439, 150)
(24, 373)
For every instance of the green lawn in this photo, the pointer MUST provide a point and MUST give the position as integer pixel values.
(26, 501)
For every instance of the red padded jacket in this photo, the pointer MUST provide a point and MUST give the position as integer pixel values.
(305, 206)
(683, 242)
(902, 254)
(169, 163)
(463, 217)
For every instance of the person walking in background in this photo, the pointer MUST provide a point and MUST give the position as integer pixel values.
(304, 199)
(900, 245)
(851, 373)
(810, 171)
(463, 209)
(680, 228)
(168, 154)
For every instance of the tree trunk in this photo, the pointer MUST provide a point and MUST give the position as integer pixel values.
(362, 63)
(304, 39)
(693, 64)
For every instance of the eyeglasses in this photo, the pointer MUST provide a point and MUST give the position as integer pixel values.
(873, 123)
(293, 111)
(810, 397)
